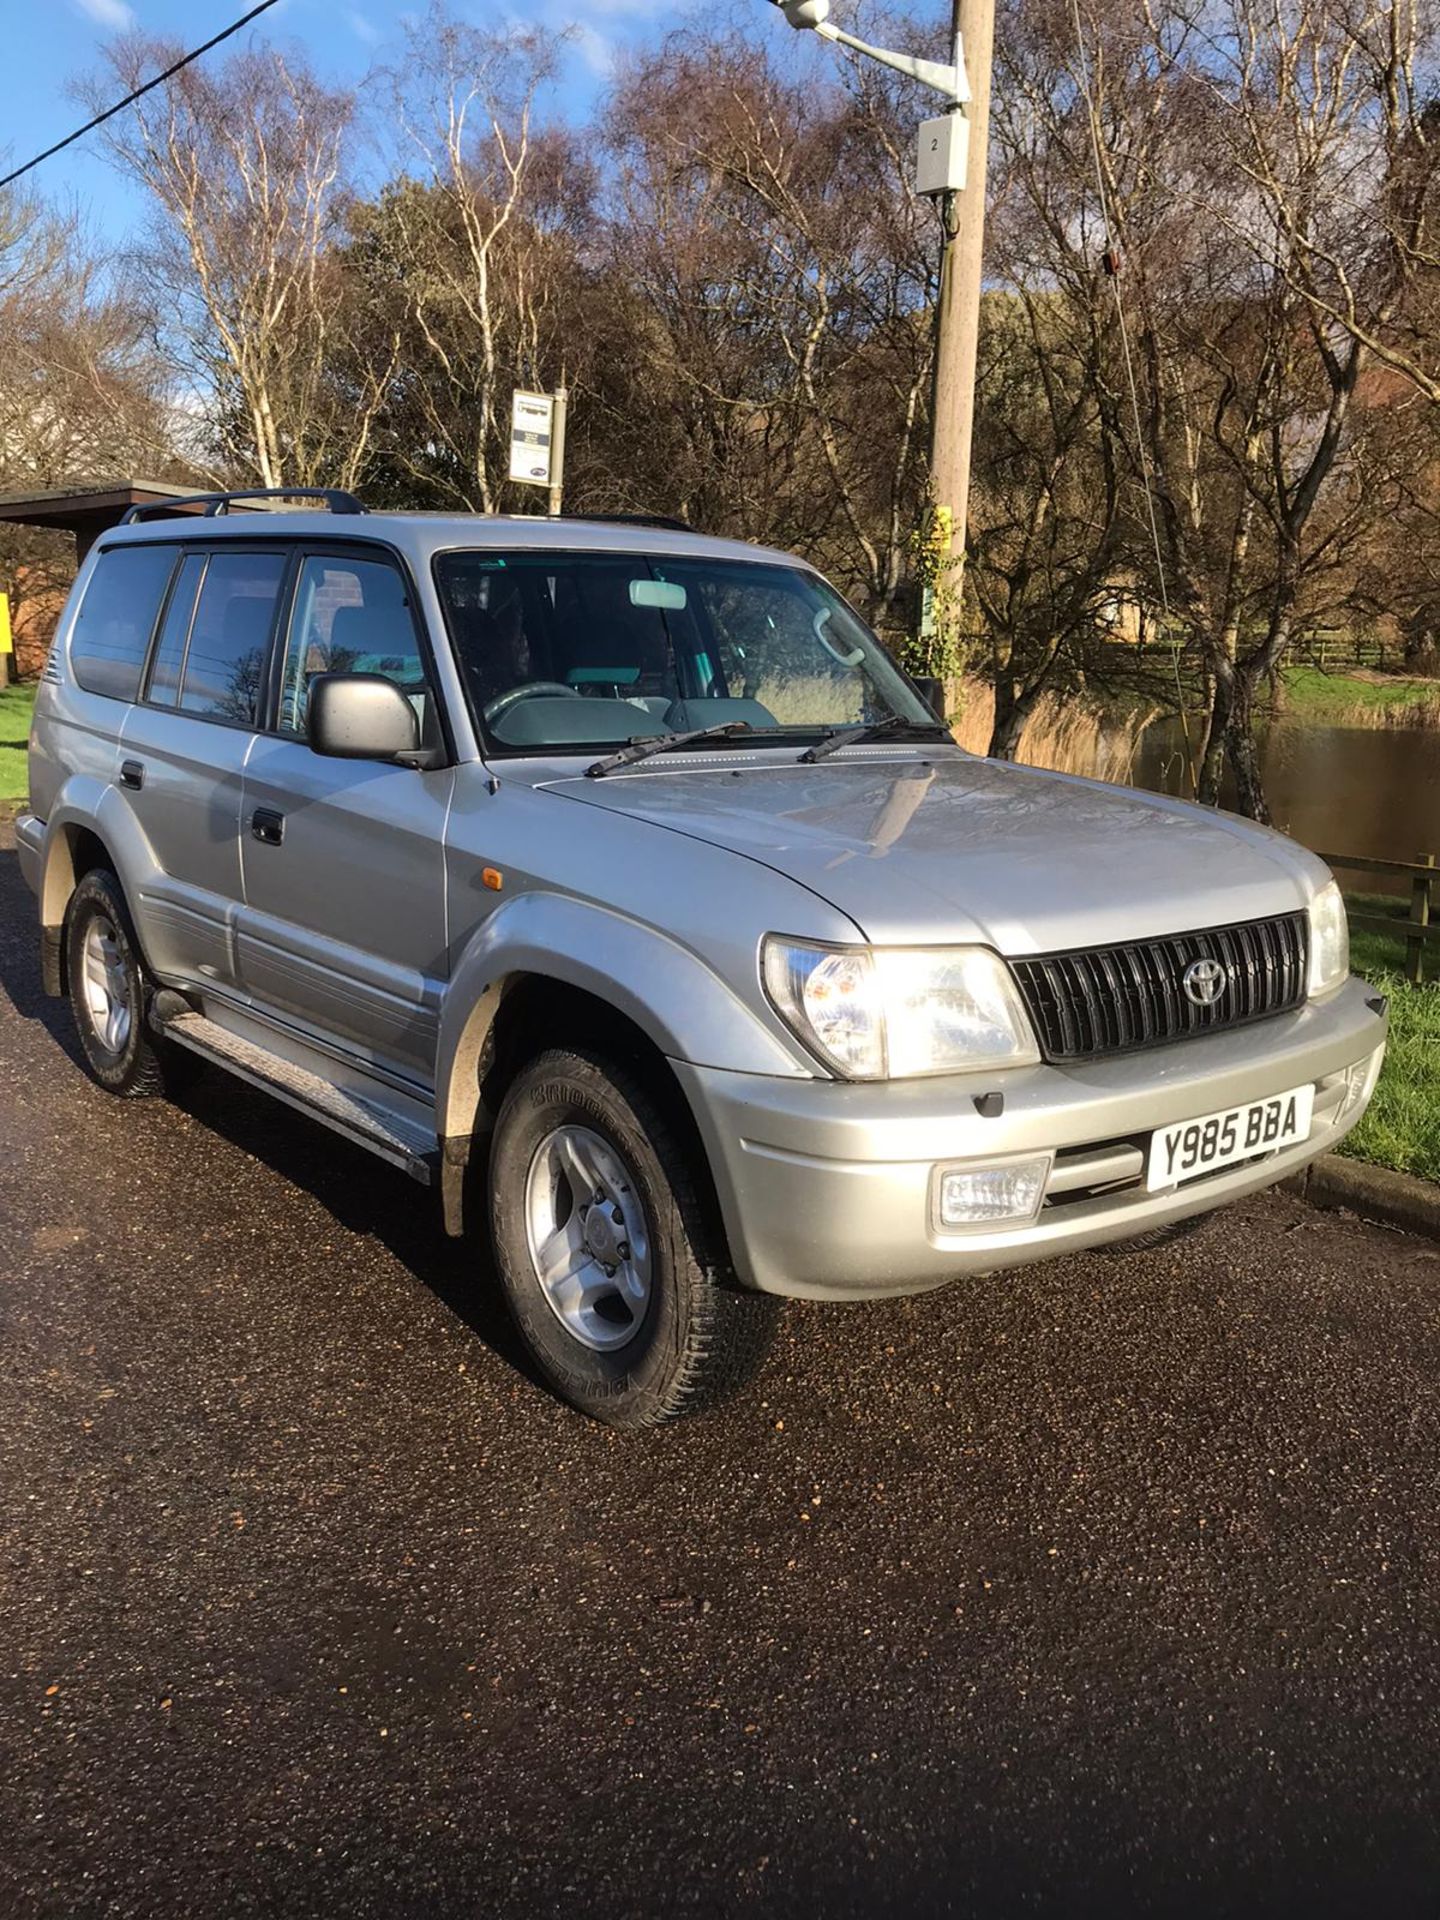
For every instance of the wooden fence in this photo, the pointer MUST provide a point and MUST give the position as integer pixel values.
(1419, 927)
(1335, 650)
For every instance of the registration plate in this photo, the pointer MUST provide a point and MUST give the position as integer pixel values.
(1221, 1139)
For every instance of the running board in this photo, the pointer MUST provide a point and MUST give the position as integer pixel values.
(394, 1137)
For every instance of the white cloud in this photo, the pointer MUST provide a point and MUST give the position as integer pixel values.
(114, 15)
(594, 49)
(598, 29)
(362, 28)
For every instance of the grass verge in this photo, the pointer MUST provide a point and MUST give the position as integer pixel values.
(1402, 1128)
(1340, 700)
(15, 706)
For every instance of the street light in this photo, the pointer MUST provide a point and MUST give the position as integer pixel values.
(944, 172)
(815, 14)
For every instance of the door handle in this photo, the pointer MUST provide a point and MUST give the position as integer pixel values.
(267, 825)
(132, 774)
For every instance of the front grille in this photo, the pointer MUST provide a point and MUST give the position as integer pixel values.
(1115, 999)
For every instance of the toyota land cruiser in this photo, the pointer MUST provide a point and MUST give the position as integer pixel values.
(614, 881)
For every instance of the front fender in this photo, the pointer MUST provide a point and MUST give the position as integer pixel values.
(678, 1002)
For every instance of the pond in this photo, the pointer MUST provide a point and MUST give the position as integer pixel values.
(1360, 790)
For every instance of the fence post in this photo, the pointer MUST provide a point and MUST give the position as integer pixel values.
(1419, 917)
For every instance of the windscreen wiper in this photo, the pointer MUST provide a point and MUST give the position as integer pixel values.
(872, 730)
(653, 743)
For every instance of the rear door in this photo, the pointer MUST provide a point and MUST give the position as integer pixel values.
(344, 928)
(183, 747)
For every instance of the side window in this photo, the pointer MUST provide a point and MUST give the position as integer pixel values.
(225, 661)
(165, 669)
(351, 616)
(117, 617)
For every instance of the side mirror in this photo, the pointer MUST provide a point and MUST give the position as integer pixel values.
(360, 716)
(932, 692)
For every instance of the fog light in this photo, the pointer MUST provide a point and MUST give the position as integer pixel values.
(986, 1196)
(1360, 1082)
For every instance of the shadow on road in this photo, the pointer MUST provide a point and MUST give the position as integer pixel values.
(365, 1195)
(20, 955)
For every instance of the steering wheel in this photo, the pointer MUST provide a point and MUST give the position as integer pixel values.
(532, 690)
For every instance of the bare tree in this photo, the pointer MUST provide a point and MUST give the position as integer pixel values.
(82, 391)
(243, 163)
(780, 274)
(1239, 140)
(472, 252)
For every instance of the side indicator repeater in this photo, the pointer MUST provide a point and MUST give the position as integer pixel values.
(493, 878)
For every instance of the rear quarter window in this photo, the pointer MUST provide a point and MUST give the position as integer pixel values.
(117, 617)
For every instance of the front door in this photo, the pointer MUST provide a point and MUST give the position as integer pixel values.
(343, 930)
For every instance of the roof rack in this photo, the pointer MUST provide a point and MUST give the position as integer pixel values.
(215, 503)
(665, 520)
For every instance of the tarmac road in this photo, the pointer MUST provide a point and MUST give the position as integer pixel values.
(1105, 1588)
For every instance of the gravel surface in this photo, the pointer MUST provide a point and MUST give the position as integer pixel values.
(1106, 1587)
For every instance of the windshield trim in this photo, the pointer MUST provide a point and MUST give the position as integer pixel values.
(782, 734)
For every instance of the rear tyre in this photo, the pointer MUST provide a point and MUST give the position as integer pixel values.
(109, 994)
(610, 1263)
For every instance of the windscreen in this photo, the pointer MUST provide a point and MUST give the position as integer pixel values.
(576, 650)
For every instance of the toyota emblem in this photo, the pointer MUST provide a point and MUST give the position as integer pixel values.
(1203, 982)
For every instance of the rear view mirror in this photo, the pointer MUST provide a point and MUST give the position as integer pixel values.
(668, 595)
(360, 716)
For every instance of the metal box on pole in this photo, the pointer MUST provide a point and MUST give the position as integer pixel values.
(943, 159)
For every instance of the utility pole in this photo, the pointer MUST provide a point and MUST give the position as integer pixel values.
(953, 157)
(957, 329)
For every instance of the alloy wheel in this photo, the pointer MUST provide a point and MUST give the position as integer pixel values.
(588, 1239)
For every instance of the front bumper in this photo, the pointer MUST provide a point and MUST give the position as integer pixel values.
(825, 1186)
(30, 846)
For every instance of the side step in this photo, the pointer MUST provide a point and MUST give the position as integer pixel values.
(394, 1137)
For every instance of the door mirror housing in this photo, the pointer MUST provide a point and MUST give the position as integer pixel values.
(932, 692)
(361, 716)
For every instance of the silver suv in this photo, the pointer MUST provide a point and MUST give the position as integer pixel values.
(614, 881)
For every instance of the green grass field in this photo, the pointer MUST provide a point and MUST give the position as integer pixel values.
(15, 705)
(1402, 1128)
(1336, 699)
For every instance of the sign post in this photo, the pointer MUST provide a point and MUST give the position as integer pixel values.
(537, 443)
(7, 640)
(557, 467)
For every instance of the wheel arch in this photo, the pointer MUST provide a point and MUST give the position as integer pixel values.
(90, 826)
(639, 979)
(517, 1018)
(545, 966)
(74, 850)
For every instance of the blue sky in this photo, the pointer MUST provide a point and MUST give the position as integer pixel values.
(54, 43)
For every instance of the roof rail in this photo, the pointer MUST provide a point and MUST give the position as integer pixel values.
(665, 520)
(217, 503)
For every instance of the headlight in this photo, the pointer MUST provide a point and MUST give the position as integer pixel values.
(1329, 941)
(877, 1013)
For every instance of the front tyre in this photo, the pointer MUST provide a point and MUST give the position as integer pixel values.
(108, 989)
(604, 1247)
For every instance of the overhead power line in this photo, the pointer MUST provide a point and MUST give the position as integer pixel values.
(138, 94)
